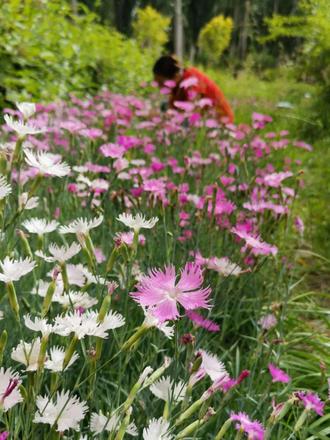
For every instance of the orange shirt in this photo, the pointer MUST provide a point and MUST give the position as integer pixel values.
(205, 88)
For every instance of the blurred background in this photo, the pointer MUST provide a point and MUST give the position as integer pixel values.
(271, 56)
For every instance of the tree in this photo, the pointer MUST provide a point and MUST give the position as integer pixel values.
(215, 37)
(150, 29)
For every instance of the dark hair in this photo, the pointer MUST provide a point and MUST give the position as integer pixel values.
(167, 66)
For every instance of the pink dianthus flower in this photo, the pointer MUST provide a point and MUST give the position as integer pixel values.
(161, 290)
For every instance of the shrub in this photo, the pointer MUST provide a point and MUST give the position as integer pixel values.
(214, 37)
(150, 29)
(47, 52)
(312, 26)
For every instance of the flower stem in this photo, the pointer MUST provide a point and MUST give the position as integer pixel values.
(13, 299)
(69, 351)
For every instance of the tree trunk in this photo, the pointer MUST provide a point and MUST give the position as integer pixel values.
(236, 34)
(178, 29)
(123, 15)
(245, 31)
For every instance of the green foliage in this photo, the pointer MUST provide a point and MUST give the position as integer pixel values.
(150, 29)
(48, 51)
(214, 37)
(313, 27)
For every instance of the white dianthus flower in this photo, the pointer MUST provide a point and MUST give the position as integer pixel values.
(5, 188)
(13, 270)
(167, 390)
(81, 226)
(27, 109)
(27, 203)
(20, 127)
(151, 321)
(100, 423)
(56, 357)
(38, 325)
(27, 354)
(224, 266)
(76, 299)
(47, 163)
(87, 324)
(157, 430)
(138, 222)
(211, 366)
(60, 253)
(40, 226)
(67, 412)
(9, 389)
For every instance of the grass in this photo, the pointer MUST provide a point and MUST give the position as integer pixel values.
(249, 93)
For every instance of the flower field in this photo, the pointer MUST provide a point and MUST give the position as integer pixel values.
(146, 287)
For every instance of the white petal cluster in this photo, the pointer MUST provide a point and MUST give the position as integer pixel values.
(100, 423)
(7, 377)
(47, 163)
(38, 325)
(224, 266)
(55, 359)
(151, 321)
(27, 203)
(20, 127)
(5, 188)
(27, 109)
(42, 287)
(40, 226)
(60, 253)
(72, 298)
(13, 270)
(167, 390)
(67, 412)
(27, 354)
(157, 430)
(87, 324)
(78, 275)
(212, 366)
(77, 299)
(138, 222)
(81, 225)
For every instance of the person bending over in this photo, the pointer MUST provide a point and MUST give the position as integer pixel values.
(168, 68)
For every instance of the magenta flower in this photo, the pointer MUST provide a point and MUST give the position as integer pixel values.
(278, 375)
(160, 290)
(4, 435)
(200, 321)
(253, 429)
(311, 401)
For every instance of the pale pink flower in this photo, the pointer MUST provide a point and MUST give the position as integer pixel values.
(160, 290)
(278, 375)
(189, 82)
(128, 238)
(112, 150)
(184, 105)
(275, 179)
(268, 321)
